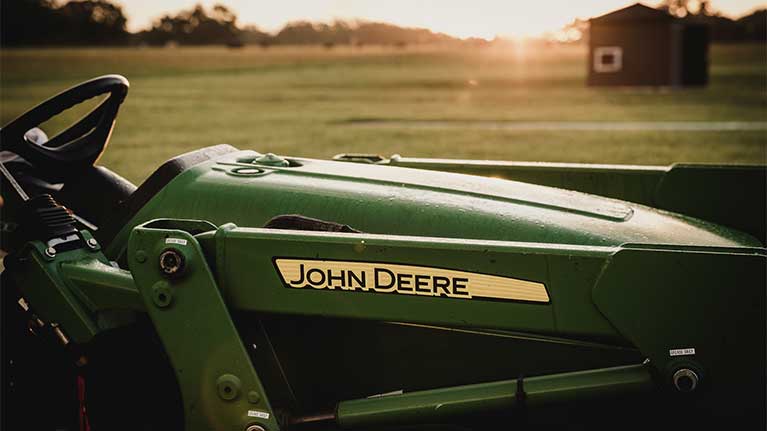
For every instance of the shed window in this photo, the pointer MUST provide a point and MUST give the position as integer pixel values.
(608, 59)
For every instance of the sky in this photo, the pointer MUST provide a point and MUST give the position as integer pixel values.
(460, 18)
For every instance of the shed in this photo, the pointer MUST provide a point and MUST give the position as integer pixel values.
(640, 45)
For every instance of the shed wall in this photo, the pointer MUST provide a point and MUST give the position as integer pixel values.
(646, 53)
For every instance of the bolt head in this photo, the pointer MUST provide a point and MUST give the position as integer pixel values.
(141, 256)
(162, 295)
(92, 243)
(685, 380)
(271, 159)
(228, 386)
(172, 262)
(50, 252)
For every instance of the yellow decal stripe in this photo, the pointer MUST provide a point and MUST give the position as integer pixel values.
(406, 280)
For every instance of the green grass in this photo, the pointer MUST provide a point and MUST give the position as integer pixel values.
(296, 100)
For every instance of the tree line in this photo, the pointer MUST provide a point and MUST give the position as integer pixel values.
(101, 22)
(42, 22)
(751, 27)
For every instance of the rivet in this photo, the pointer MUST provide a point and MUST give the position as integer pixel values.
(228, 386)
(141, 256)
(162, 295)
(254, 397)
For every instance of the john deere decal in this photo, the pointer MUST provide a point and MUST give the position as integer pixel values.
(404, 280)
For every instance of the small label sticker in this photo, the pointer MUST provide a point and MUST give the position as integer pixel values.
(258, 414)
(682, 352)
(178, 241)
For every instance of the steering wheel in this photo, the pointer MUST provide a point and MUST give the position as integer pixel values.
(80, 145)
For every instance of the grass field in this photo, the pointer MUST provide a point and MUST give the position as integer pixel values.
(306, 101)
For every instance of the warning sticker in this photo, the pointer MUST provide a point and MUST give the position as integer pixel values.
(258, 414)
(682, 352)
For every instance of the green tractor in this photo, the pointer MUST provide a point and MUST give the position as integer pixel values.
(241, 291)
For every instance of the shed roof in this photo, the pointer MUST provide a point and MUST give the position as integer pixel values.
(635, 12)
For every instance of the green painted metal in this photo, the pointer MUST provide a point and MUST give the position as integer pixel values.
(708, 192)
(40, 280)
(730, 195)
(568, 272)
(393, 200)
(598, 293)
(709, 300)
(217, 379)
(102, 287)
(634, 183)
(77, 289)
(353, 358)
(624, 282)
(448, 404)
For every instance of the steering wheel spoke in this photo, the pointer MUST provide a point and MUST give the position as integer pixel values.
(86, 124)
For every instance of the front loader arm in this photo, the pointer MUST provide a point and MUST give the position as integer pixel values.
(190, 281)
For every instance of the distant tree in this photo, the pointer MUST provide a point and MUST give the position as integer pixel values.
(195, 26)
(755, 26)
(705, 8)
(250, 34)
(341, 32)
(751, 27)
(722, 28)
(222, 14)
(25, 22)
(678, 8)
(92, 22)
(376, 33)
(297, 33)
(683, 8)
(575, 31)
(357, 33)
(36, 22)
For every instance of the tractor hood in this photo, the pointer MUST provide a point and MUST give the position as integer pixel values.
(247, 189)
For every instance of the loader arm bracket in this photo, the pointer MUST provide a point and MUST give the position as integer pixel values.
(220, 389)
(685, 289)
